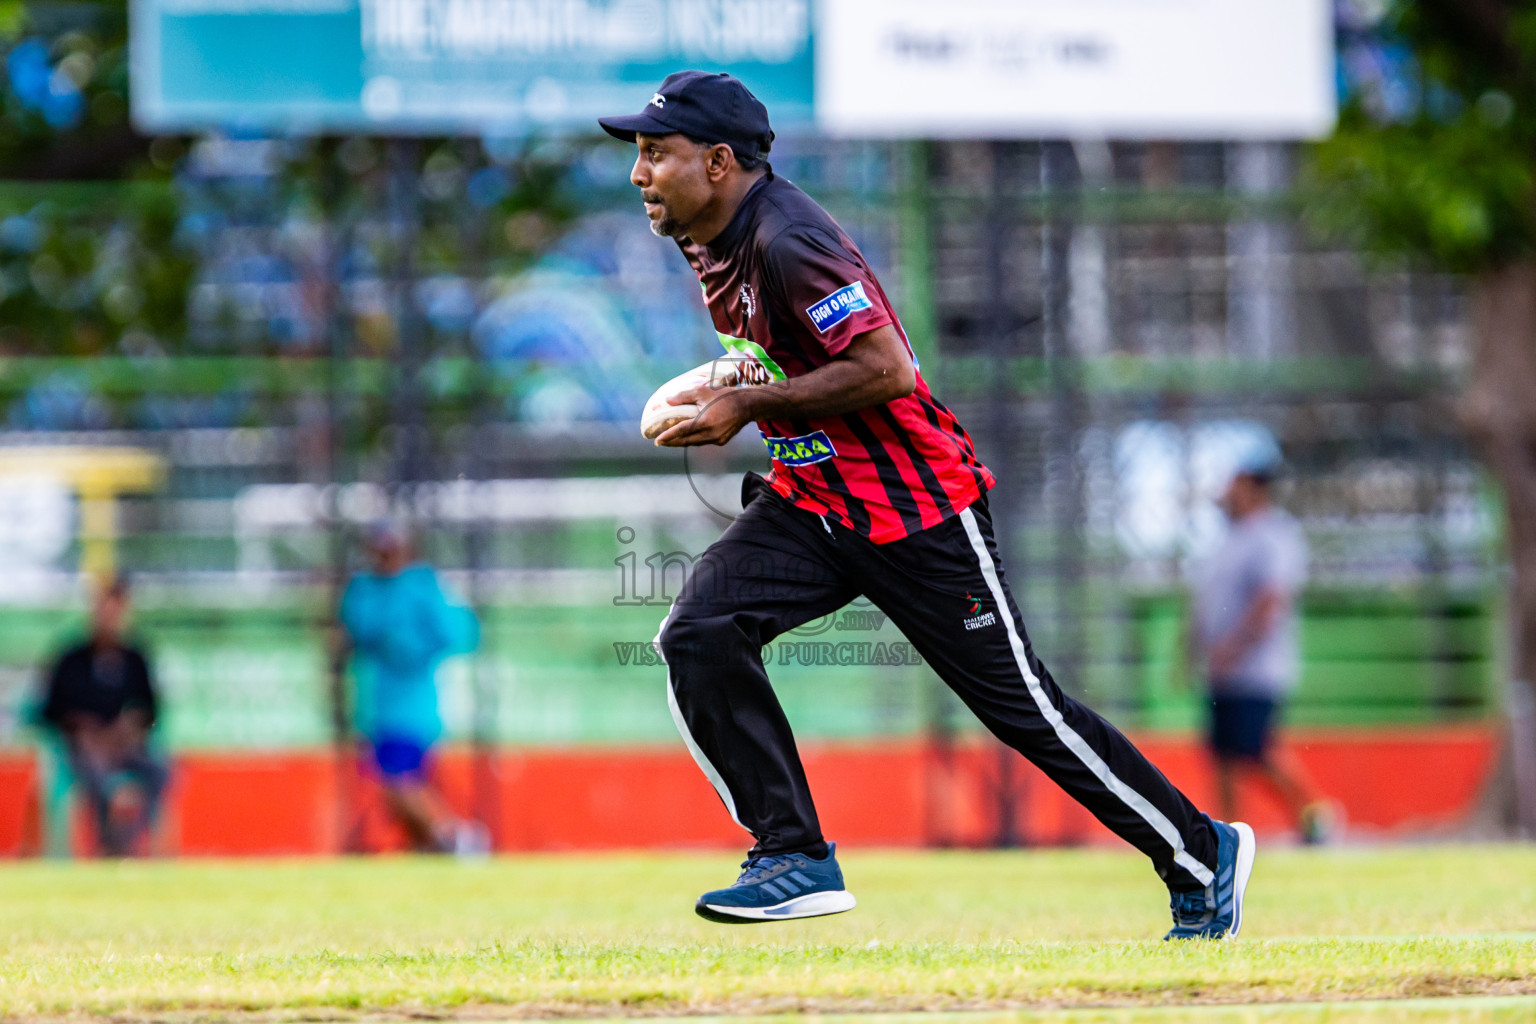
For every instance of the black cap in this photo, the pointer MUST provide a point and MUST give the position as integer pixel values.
(711, 108)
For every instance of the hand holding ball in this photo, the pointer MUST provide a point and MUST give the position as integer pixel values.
(728, 371)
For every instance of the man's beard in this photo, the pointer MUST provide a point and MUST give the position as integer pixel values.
(666, 226)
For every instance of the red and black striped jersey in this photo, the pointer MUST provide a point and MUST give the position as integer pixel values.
(786, 286)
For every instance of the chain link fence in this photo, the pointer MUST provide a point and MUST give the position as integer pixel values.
(464, 332)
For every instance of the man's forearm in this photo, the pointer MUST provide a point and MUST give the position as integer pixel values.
(873, 369)
(831, 390)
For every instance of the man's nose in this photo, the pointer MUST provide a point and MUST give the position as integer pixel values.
(638, 175)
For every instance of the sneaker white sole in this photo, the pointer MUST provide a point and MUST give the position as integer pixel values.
(1247, 847)
(814, 904)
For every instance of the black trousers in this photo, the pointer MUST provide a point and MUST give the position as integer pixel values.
(778, 567)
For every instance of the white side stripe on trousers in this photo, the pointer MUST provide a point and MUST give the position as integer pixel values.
(1064, 732)
(714, 777)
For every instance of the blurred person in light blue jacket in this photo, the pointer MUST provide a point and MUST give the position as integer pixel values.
(400, 625)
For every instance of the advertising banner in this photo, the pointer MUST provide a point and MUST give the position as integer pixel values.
(448, 66)
(860, 68)
(1102, 68)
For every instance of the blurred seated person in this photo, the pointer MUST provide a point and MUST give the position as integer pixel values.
(100, 699)
(399, 626)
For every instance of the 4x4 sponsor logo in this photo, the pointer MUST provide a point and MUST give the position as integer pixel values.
(801, 451)
(744, 347)
(981, 620)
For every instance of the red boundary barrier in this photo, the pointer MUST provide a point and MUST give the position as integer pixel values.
(891, 793)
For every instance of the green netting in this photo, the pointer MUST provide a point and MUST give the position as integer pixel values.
(563, 674)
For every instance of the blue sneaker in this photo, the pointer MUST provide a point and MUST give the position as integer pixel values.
(1216, 912)
(780, 888)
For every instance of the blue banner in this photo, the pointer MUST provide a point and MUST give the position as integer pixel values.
(451, 66)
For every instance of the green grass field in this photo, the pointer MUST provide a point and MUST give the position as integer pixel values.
(1066, 936)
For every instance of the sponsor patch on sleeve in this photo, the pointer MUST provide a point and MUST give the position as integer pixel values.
(837, 307)
(800, 451)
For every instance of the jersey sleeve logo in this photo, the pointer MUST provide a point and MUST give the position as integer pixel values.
(801, 451)
(838, 306)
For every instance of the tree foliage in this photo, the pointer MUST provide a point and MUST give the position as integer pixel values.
(64, 104)
(1453, 179)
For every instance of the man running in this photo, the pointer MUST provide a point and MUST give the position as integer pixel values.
(875, 490)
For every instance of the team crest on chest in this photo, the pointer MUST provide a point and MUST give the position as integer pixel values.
(748, 301)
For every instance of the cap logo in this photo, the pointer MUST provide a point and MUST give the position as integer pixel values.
(659, 100)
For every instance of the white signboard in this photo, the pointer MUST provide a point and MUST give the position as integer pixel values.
(1073, 68)
(37, 527)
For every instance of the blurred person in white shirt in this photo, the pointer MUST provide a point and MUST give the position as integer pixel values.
(1244, 640)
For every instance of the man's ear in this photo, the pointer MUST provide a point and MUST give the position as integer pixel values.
(719, 161)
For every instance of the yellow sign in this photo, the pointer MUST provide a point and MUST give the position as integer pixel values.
(98, 475)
